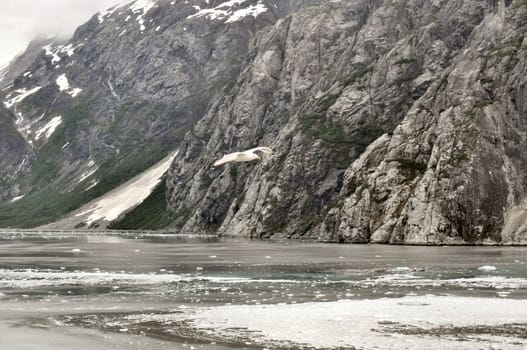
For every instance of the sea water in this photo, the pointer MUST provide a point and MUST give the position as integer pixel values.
(66, 290)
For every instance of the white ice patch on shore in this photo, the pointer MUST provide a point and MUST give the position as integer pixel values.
(48, 129)
(64, 85)
(225, 12)
(127, 196)
(363, 324)
(22, 94)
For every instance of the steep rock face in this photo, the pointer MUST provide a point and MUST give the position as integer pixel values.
(453, 170)
(16, 154)
(121, 94)
(383, 118)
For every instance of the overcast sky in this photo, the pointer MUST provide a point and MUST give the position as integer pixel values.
(23, 20)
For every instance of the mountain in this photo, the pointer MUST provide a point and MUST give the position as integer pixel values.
(120, 95)
(391, 121)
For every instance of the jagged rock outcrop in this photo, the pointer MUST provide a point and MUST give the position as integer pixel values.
(16, 154)
(19, 65)
(392, 121)
(453, 170)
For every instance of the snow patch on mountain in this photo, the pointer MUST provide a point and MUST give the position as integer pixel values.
(253, 10)
(141, 7)
(127, 196)
(48, 129)
(22, 94)
(64, 85)
(102, 15)
(54, 52)
(226, 12)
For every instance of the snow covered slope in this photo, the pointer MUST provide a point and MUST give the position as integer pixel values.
(103, 210)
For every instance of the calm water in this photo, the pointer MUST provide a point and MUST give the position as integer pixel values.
(138, 291)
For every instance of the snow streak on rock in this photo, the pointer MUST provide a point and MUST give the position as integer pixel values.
(22, 94)
(225, 11)
(128, 195)
(54, 52)
(48, 129)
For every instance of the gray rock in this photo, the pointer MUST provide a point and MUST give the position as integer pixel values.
(393, 122)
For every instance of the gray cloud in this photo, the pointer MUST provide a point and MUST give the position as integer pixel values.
(23, 20)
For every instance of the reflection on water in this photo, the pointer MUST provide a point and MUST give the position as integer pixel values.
(150, 289)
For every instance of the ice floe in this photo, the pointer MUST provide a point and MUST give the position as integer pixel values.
(388, 323)
(487, 268)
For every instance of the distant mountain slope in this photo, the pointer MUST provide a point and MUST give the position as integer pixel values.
(121, 94)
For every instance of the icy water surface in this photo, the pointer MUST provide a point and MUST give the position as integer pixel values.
(152, 291)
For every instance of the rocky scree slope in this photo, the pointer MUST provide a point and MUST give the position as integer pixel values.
(118, 97)
(392, 121)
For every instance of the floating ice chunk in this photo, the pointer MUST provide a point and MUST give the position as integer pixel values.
(487, 268)
(76, 250)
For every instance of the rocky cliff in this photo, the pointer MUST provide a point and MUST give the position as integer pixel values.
(391, 121)
(120, 95)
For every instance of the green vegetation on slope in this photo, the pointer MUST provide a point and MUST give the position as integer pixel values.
(151, 214)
